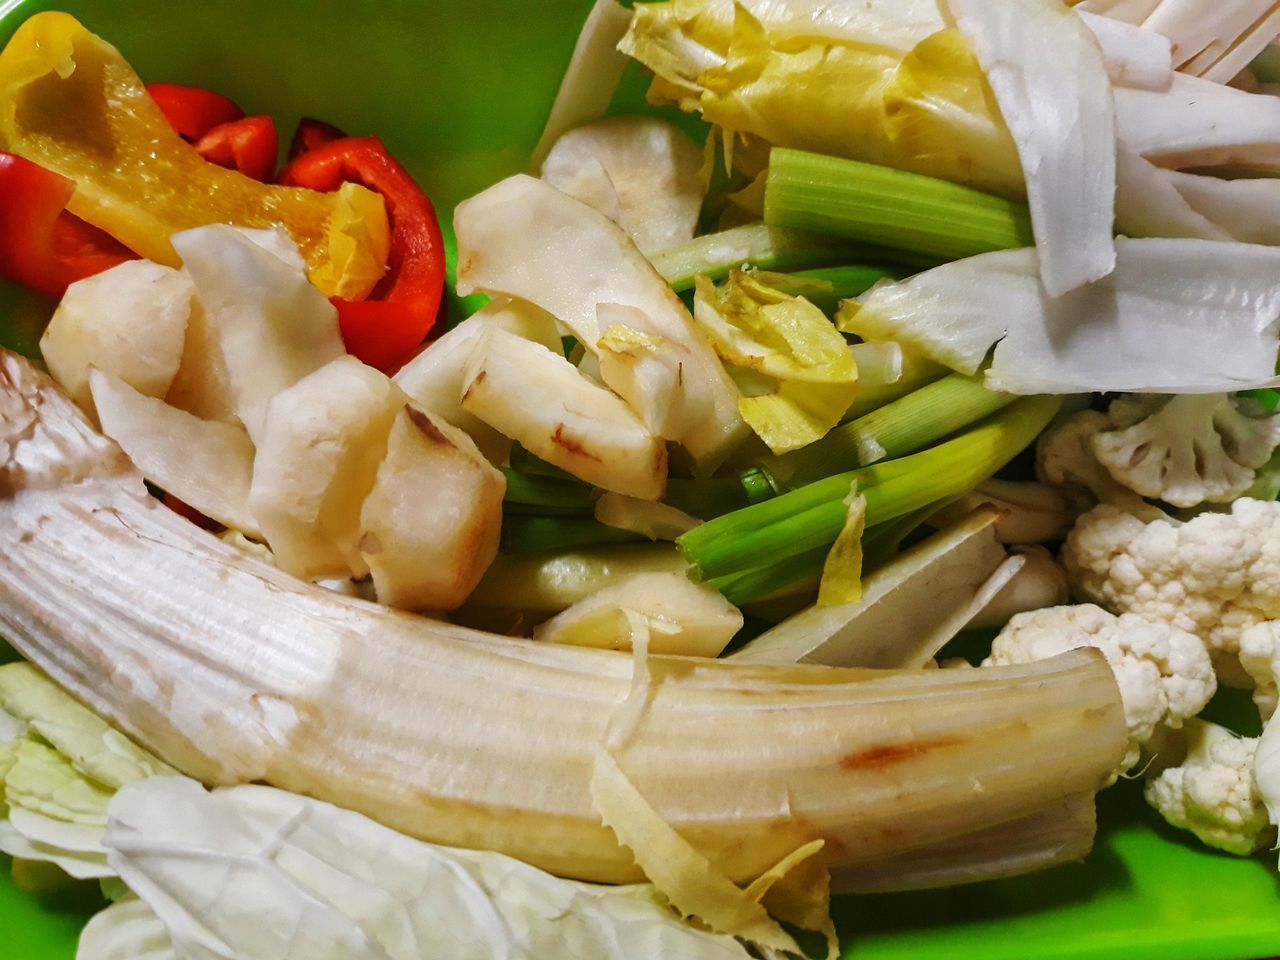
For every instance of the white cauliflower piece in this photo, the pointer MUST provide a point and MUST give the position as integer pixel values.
(1212, 792)
(1164, 673)
(1185, 450)
(1260, 658)
(1215, 576)
(1065, 459)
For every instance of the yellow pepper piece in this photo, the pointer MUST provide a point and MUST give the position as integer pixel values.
(70, 102)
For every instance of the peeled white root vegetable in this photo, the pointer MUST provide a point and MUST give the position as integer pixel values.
(536, 397)
(269, 327)
(317, 458)
(433, 379)
(432, 520)
(679, 617)
(233, 671)
(205, 464)
(523, 238)
(129, 321)
(644, 174)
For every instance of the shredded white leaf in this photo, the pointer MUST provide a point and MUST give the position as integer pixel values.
(1176, 316)
(1047, 73)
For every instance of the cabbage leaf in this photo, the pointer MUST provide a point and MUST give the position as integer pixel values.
(1048, 76)
(1176, 316)
(760, 329)
(257, 873)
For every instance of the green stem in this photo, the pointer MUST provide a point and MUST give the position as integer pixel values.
(756, 245)
(812, 516)
(524, 534)
(889, 208)
(563, 496)
(903, 426)
(846, 283)
(706, 498)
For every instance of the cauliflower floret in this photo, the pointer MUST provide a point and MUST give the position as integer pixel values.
(1215, 576)
(1260, 658)
(1185, 450)
(1212, 793)
(1164, 673)
(1065, 458)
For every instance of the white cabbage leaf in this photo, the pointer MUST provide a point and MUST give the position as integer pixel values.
(1049, 79)
(1148, 204)
(255, 873)
(1176, 316)
(1134, 57)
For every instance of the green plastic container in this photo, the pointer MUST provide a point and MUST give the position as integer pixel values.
(459, 92)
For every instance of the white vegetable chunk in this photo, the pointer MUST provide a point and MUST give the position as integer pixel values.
(1047, 73)
(432, 520)
(1134, 57)
(681, 617)
(640, 172)
(433, 379)
(593, 74)
(523, 238)
(319, 452)
(537, 397)
(1176, 316)
(201, 462)
(1199, 123)
(129, 321)
(271, 325)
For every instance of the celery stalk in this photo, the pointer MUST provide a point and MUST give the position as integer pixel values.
(889, 208)
(897, 428)
(756, 245)
(811, 516)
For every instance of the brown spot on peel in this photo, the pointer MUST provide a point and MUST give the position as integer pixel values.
(886, 755)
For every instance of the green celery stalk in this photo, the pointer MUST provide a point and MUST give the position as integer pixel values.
(903, 426)
(811, 516)
(889, 208)
(755, 245)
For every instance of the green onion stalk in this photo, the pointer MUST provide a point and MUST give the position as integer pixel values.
(808, 519)
(870, 204)
(763, 247)
(903, 426)
(533, 492)
(534, 534)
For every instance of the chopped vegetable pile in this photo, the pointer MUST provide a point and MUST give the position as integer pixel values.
(838, 499)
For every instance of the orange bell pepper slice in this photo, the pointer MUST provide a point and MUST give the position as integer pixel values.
(70, 102)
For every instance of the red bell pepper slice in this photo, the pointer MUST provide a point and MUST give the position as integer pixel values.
(312, 134)
(384, 330)
(248, 145)
(41, 245)
(191, 111)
